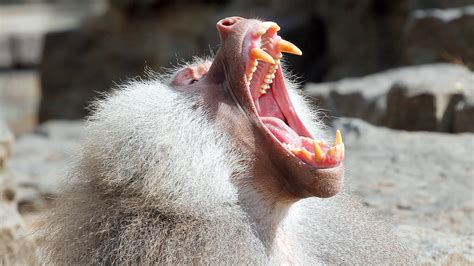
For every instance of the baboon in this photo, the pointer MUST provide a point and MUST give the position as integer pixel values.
(220, 162)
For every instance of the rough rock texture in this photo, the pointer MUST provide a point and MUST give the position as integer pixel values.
(22, 28)
(363, 36)
(427, 97)
(19, 100)
(80, 64)
(39, 163)
(16, 245)
(440, 35)
(421, 180)
(438, 248)
(6, 143)
(464, 115)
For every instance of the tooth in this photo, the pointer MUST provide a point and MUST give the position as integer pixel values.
(279, 55)
(318, 153)
(302, 152)
(331, 151)
(254, 63)
(338, 139)
(260, 31)
(259, 54)
(253, 69)
(338, 152)
(268, 81)
(288, 47)
(270, 24)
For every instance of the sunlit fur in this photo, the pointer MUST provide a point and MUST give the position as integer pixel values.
(152, 185)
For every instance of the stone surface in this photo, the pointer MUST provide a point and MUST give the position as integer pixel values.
(436, 35)
(363, 36)
(421, 181)
(16, 245)
(416, 178)
(19, 100)
(6, 143)
(464, 116)
(438, 248)
(80, 64)
(427, 97)
(23, 26)
(39, 163)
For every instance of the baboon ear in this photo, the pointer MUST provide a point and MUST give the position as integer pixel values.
(190, 74)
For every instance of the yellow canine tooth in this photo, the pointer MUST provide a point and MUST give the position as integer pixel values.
(260, 31)
(260, 54)
(270, 24)
(288, 47)
(331, 151)
(338, 139)
(318, 153)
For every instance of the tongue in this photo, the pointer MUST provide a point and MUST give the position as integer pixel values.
(282, 131)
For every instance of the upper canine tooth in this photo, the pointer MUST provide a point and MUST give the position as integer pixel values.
(338, 139)
(288, 47)
(259, 54)
(270, 24)
(261, 31)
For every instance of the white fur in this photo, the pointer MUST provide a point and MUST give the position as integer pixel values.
(153, 186)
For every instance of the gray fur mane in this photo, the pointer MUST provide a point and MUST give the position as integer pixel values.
(152, 185)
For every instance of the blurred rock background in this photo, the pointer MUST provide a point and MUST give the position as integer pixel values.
(396, 76)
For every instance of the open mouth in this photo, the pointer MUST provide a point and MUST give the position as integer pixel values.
(270, 97)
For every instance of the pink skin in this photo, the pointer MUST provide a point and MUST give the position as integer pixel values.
(258, 123)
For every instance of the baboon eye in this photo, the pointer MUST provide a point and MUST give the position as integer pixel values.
(193, 81)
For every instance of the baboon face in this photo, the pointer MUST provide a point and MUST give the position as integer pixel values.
(245, 92)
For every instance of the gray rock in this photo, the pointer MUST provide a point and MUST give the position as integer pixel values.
(40, 163)
(436, 35)
(16, 245)
(23, 26)
(421, 181)
(438, 248)
(424, 97)
(363, 36)
(464, 116)
(78, 65)
(414, 178)
(19, 100)
(6, 143)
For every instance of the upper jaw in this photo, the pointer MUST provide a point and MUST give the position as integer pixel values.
(251, 61)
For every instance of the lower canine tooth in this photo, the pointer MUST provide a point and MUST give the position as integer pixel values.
(318, 152)
(338, 139)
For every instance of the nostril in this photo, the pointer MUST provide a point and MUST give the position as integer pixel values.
(227, 22)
